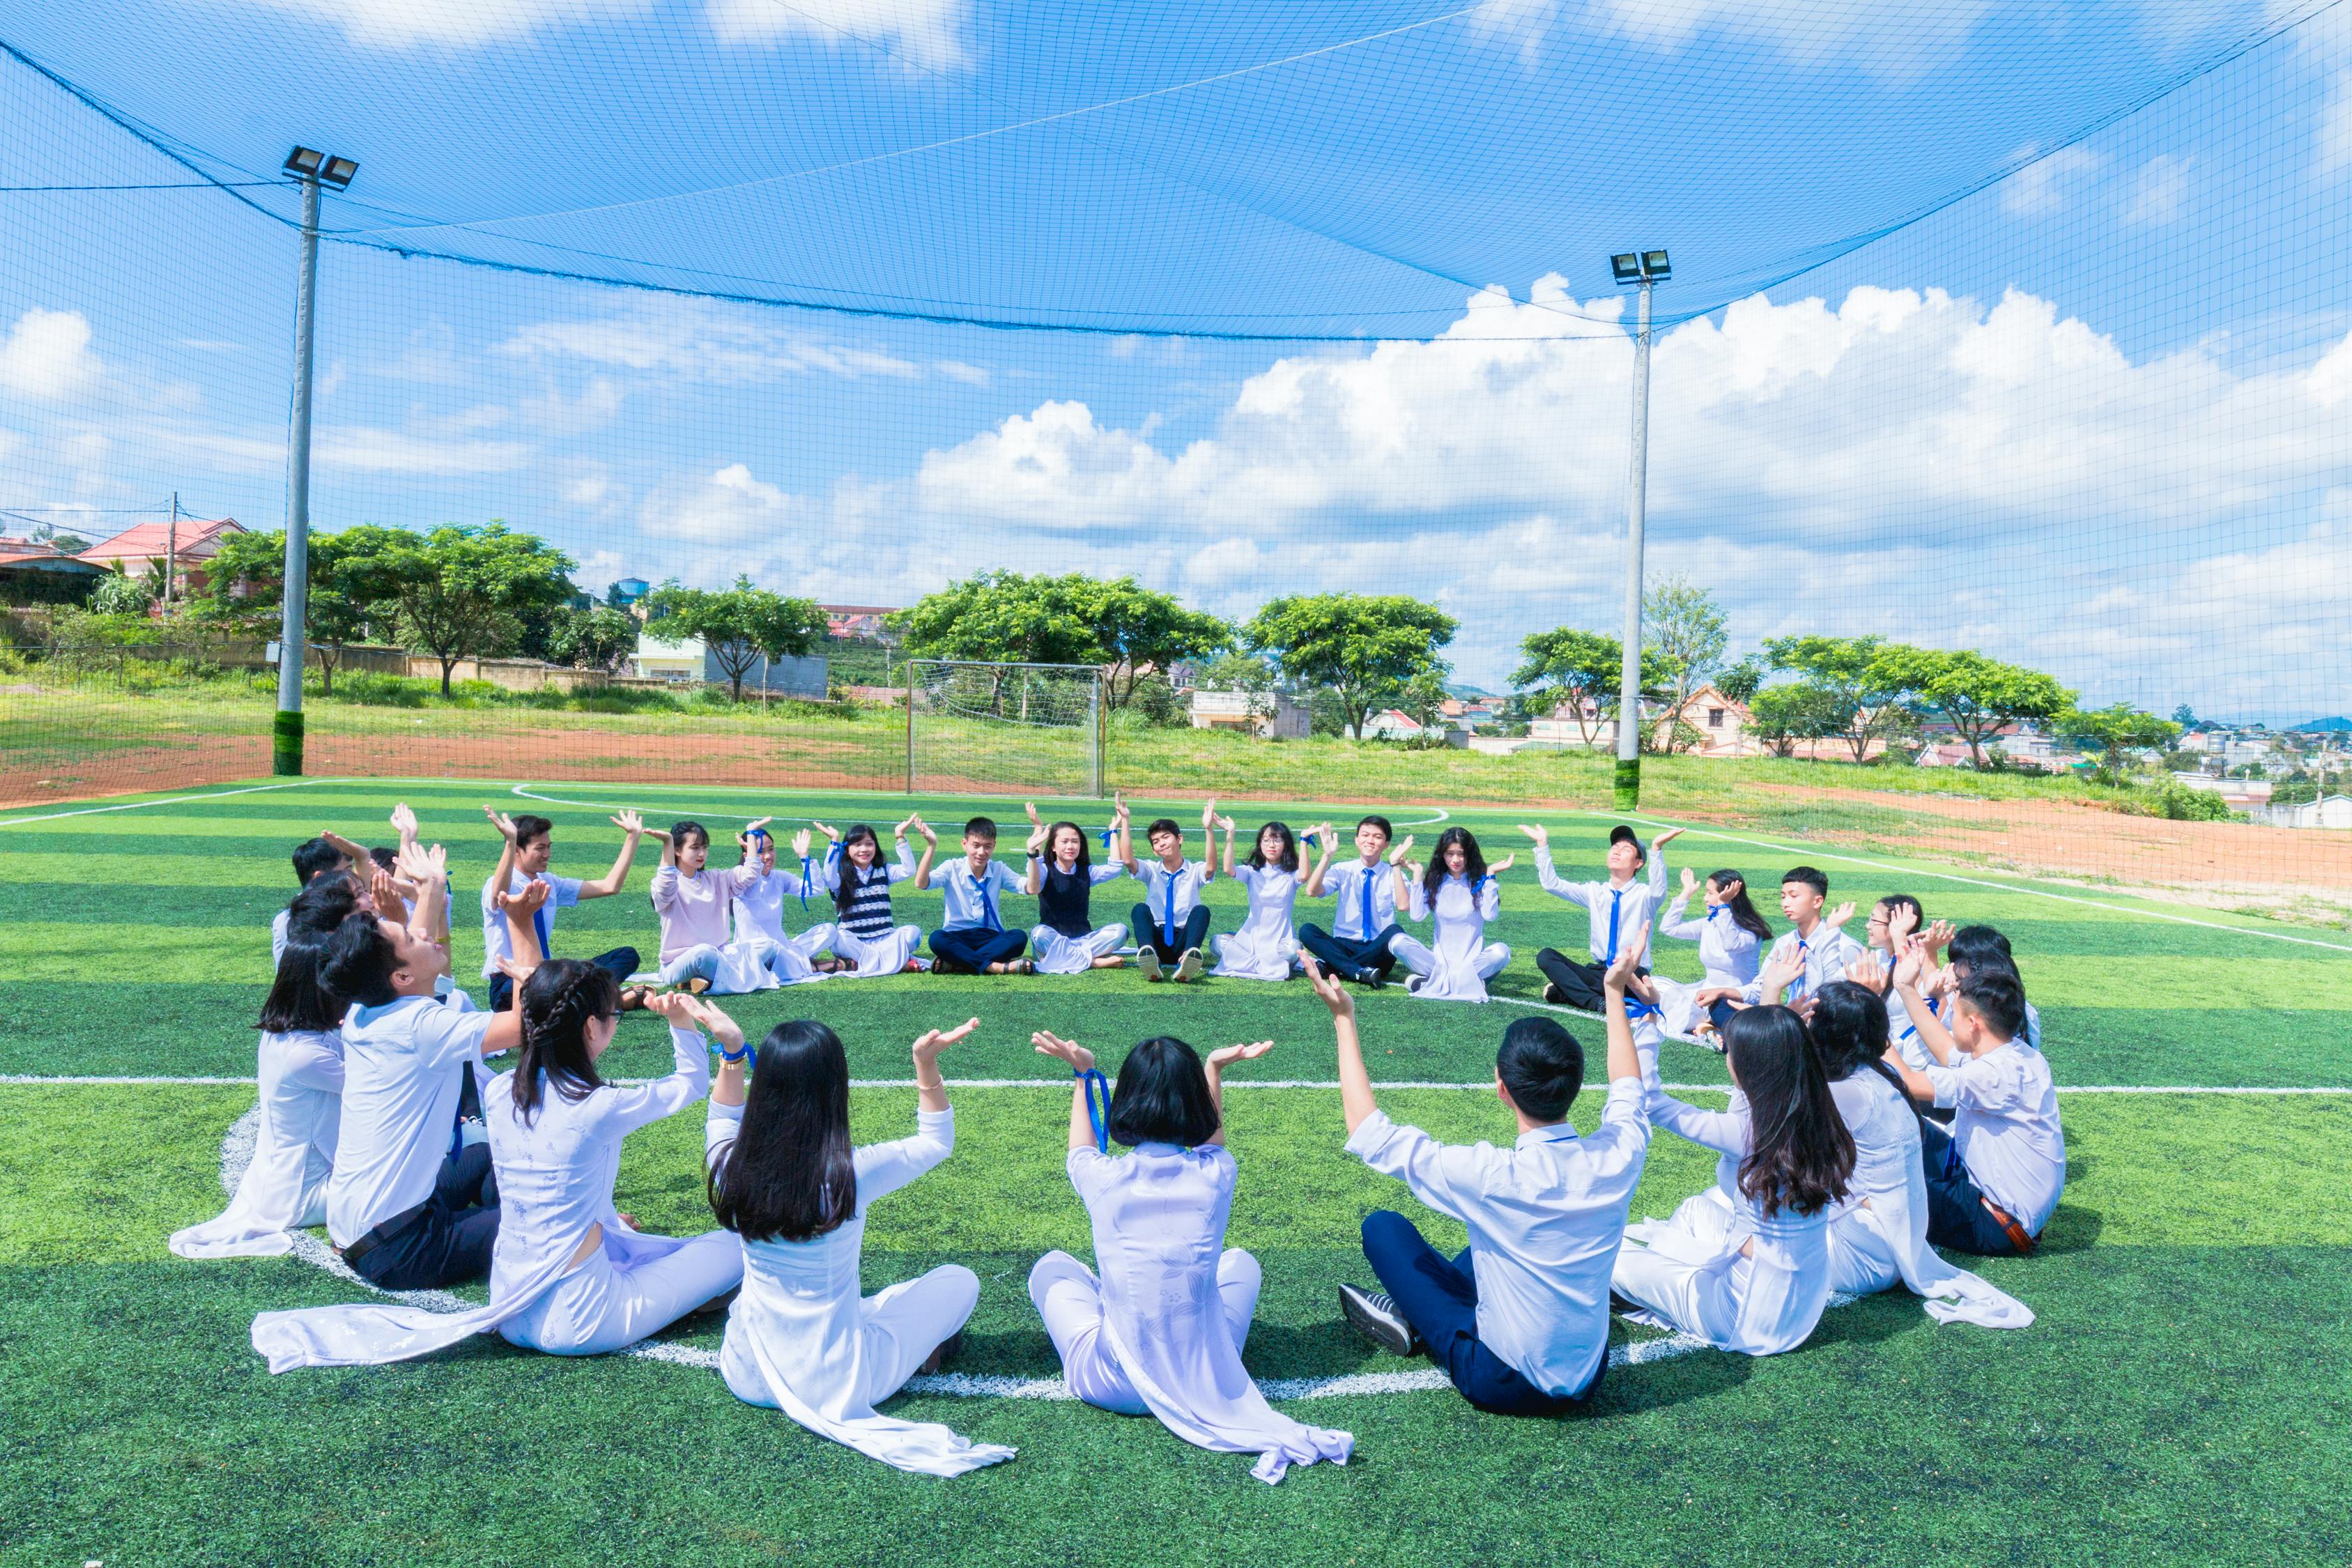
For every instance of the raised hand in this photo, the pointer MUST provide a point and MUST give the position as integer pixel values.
(1225, 1056)
(630, 822)
(934, 1041)
(1901, 918)
(1910, 963)
(1080, 1058)
(1840, 915)
(1690, 881)
(1326, 985)
(900, 831)
(1209, 814)
(723, 1029)
(832, 833)
(1668, 836)
(1629, 958)
(403, 822)
(531, 900)
(1867, 971)
(674, 1007)
(384, 890)
(1939, 937)
(520, 972)
(1035, 820)
(930, 835)
(755, 827)
(1397, 855)
(1541, 834)
(498, 819)
(419, 864)
(1779, 973)
(1505, 864)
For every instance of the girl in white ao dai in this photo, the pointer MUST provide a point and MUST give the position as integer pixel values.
(784, 1177)
(1159, 1330)
(1265, 947)
(1459, 893)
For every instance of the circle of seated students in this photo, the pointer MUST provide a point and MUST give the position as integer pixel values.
(1887, 1101)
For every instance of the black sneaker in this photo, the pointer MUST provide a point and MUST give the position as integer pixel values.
(1375, 1316)
(1372, 979)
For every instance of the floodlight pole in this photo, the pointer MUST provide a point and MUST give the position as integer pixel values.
(285, 734)
(1629, 676)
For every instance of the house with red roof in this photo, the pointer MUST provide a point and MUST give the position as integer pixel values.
(137, 548)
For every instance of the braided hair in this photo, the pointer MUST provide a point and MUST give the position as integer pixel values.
(558, 1001)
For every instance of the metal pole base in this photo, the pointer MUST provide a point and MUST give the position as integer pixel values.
(1629, 782)
(286, 745)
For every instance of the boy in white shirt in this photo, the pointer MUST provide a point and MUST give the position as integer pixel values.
(1364, 908)
(529, 845)
(1806, 958)
(1619, 910)
(1519, 1320)
(1172, 924)
(972, 938)
(1994, 1180)
(403, 1210)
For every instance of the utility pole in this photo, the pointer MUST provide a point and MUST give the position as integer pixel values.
(286, 736)
(172, 555)
(1648, 268)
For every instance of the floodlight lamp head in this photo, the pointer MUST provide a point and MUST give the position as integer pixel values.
(1654, 266)
(1626, 267)
(304, 161)
(338, 171)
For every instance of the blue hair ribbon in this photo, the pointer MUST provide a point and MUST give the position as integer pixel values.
(1098, 1092)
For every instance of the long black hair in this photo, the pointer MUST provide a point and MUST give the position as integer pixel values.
(1085, 864)
(790, 1174)
(848, 877)
(1289, 861)
(1849, 1026)
(297, 1001)
(559, 1000)
(1474, 864)
(1163, 1096)
(320, 908)
(1800, 1154)
(1743, 912)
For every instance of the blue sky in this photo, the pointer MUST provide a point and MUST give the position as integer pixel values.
(2094, 415)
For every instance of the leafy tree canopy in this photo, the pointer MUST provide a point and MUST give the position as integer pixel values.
(1363, 647)
(739, 626)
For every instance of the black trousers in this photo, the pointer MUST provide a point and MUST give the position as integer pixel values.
(1579, 981)
(1957, 1217)
(1351, 958)
(621, 962)
(1191, 933)
(977, 947)
(449, 1240)
(1439, 1297)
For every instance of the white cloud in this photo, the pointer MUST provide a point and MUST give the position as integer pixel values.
(1892, 39)
(930, 33)
(2049, 183)
(365, 449)
(692, 341)
(47, 354)
(957, 369)
(732, 522)
(2158, 191)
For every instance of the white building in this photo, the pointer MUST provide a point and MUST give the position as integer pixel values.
(1270, 714)
(688, 659)
(1392, 724)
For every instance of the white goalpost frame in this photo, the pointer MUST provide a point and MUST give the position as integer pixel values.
(1096, 724)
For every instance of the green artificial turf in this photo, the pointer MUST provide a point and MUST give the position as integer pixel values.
(2186, 1395)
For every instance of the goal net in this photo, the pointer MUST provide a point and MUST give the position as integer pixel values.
(1020, 728)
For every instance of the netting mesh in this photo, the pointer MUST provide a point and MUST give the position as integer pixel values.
(2020, 329)
(987, 728)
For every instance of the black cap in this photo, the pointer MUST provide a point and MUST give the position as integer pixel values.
(1621, 834)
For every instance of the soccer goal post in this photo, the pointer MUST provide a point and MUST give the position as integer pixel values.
(1020, 728)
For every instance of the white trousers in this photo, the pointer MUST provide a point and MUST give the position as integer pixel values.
(600, 1307)
(1861, 1263)
(872, 956)
(903, 1325)
(1069, 1297)
(1449, 978)
(1059, 954)
(790, 961)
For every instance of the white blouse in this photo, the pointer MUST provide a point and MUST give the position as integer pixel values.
(284, 1187)
(1160, 1219)
(799, 1319)
(1730, 952)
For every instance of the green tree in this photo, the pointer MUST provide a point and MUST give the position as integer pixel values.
(999, 617)
(1362, 646)
(1421, 698)
(1742, 681)
(1245, 673)
(1578, 669)
(461, 591)
(2184, 716)
(1138, 628)
(244, 587)
(1781, 716)
(2113, 731)
(119, 594)
(1859, 691)
(598, 637)
(1978, 696)
(740, 625)
(1683, 626)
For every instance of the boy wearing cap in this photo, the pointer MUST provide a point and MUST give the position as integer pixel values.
(1619, 910)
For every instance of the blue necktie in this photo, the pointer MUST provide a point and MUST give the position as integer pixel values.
(1364, 890)
(1797, 986)
(987, 905)
(1167, 912)
(1614, 895)
(539, 924)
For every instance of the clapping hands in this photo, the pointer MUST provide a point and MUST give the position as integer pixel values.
(1080, 1058)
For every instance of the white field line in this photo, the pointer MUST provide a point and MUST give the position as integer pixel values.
(1705, 830)
(1329, 1085)
(172, 800)
(236, 1153)
(528, 793)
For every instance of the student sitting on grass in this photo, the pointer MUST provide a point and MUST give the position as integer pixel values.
(1265, 947)
(789, 959)
(1730, 932)
(1804, 959)
(694, 904)
(1172, 923)
(784, 1177)
(1748, 1271)
(1994, 1181)
(529, 845)
(1062, 878)
(314, 859)
(1893, 920)
(1364, 906)
(1161, 1330)
(402, 1209)
(1878, 1238)
(972, 938)
(1459, 894)
(1615, 909)
(1519, 1320)
(1973, 948)
(301, 1068)
(865, 937)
